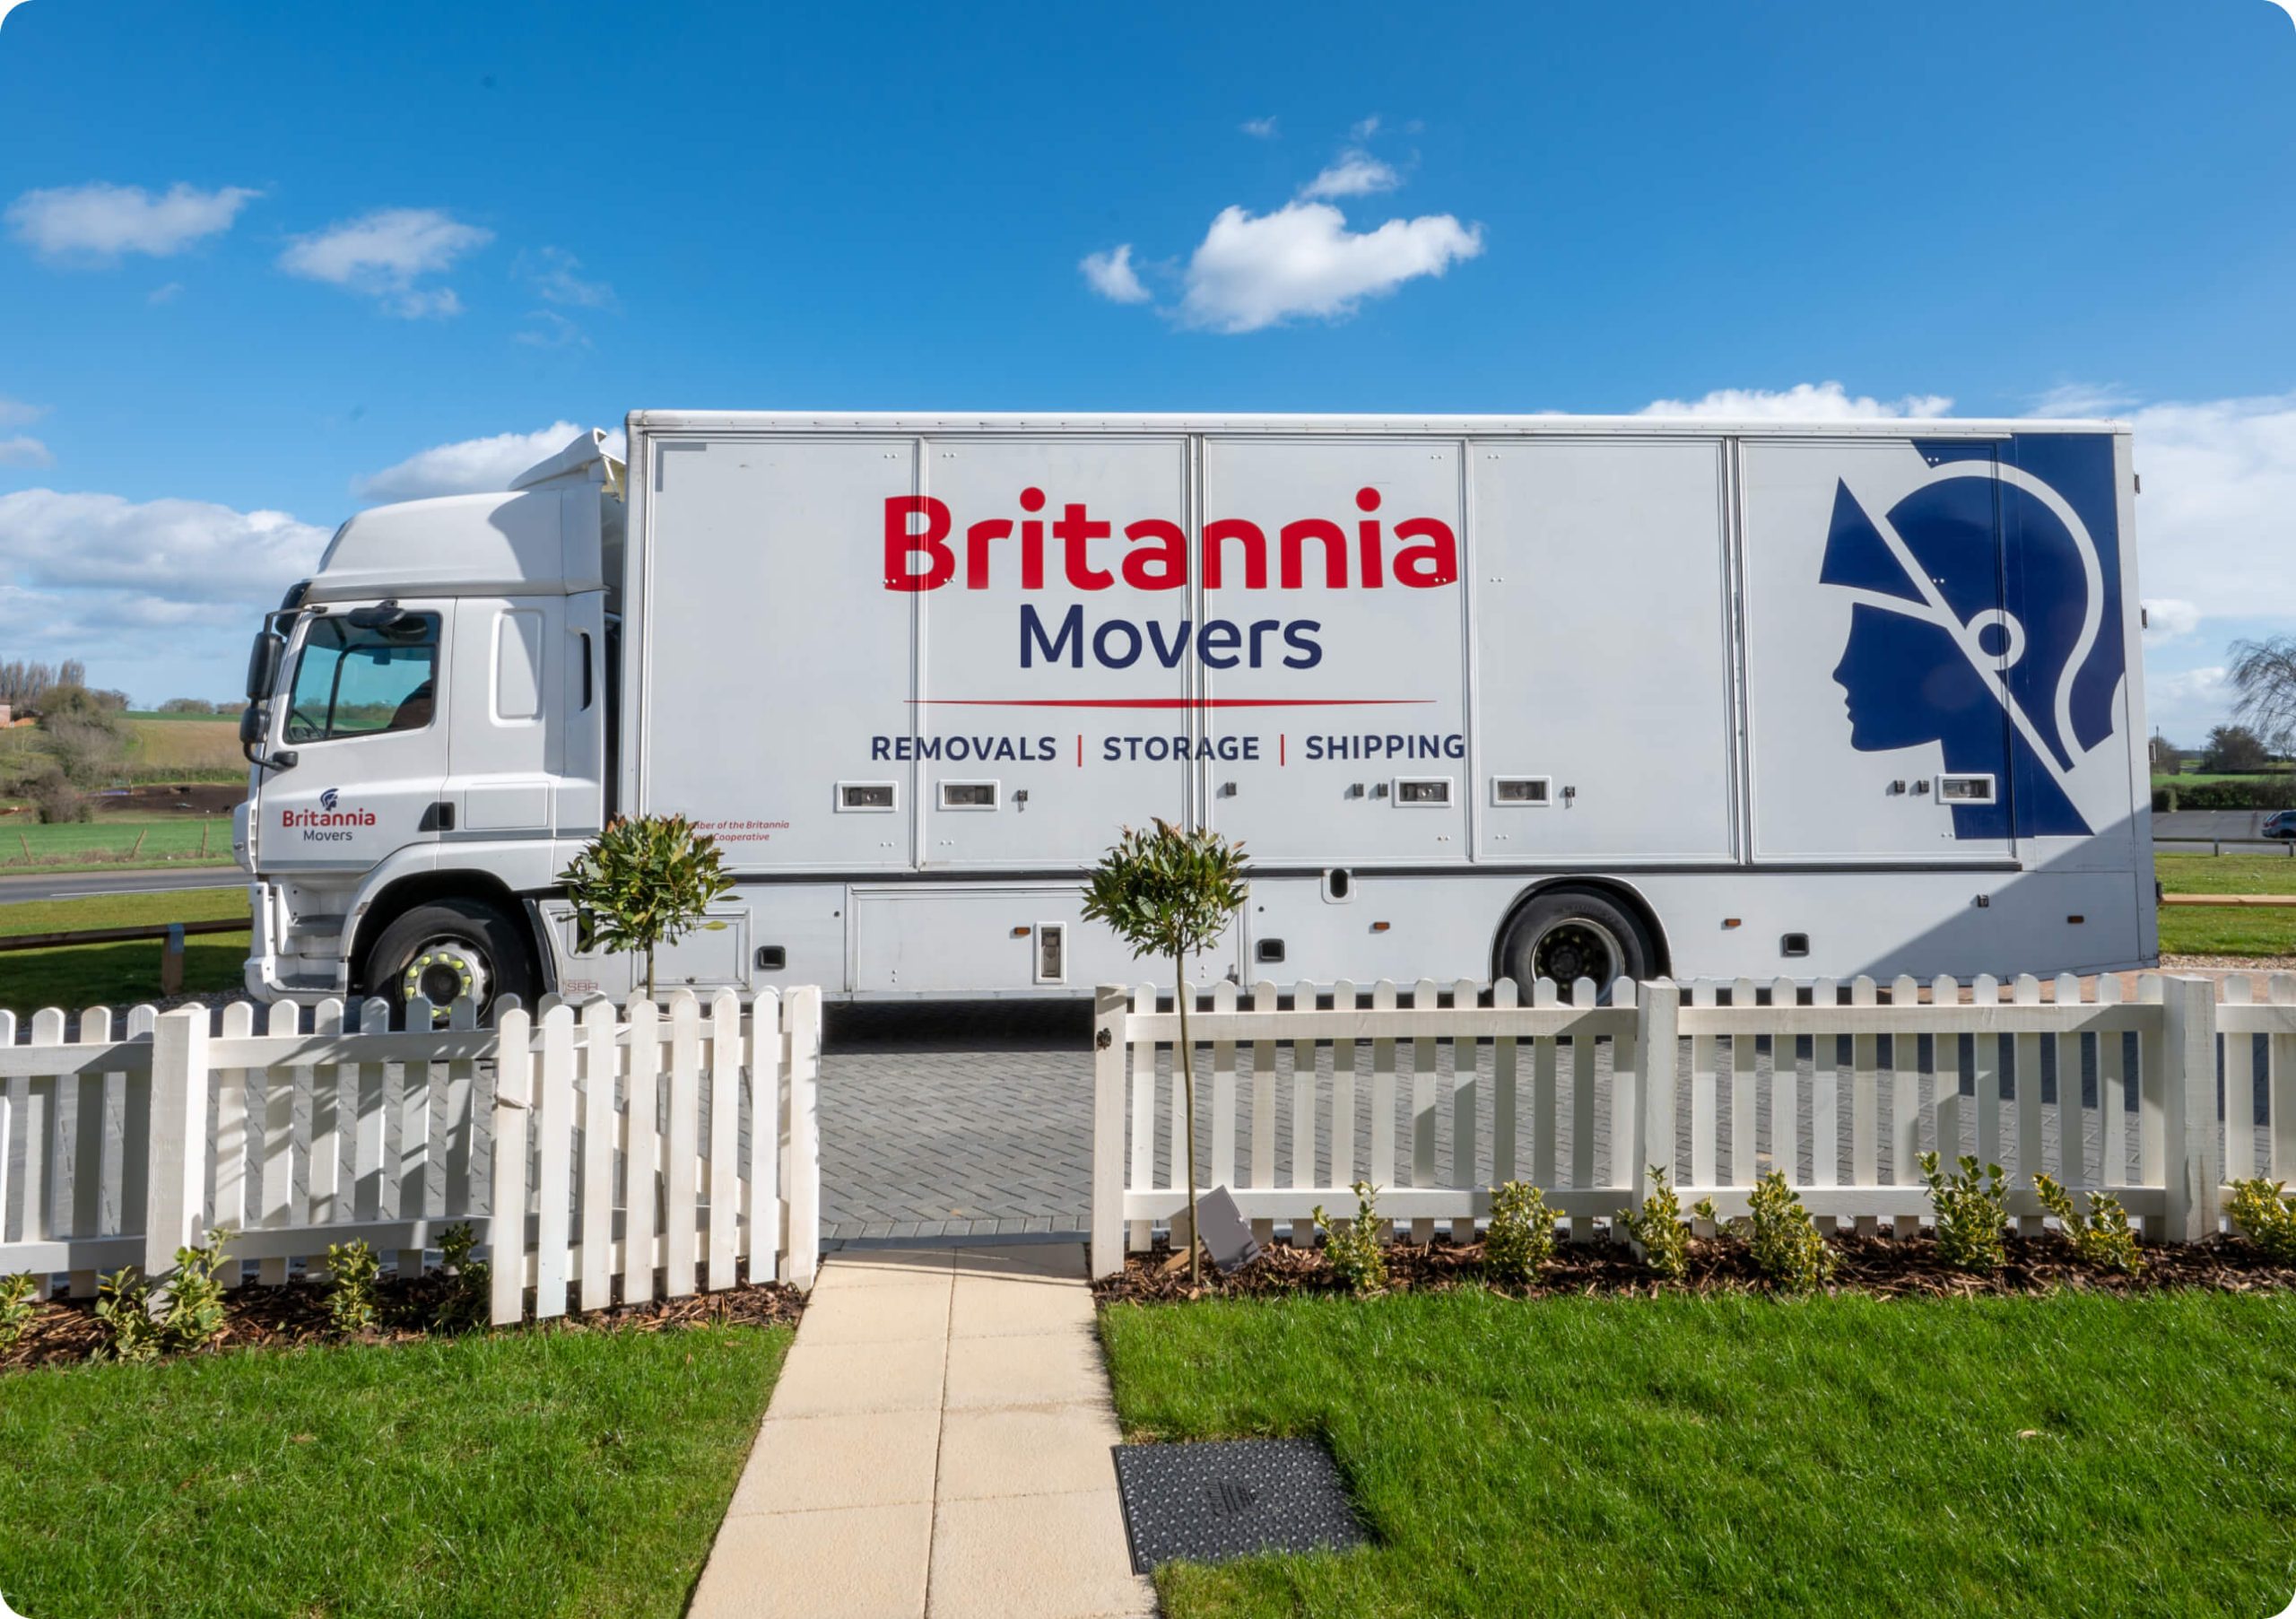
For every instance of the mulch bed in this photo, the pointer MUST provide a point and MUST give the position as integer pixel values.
(1884, 1266)
(65, 1330)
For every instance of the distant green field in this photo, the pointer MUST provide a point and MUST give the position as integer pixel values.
(165, 839)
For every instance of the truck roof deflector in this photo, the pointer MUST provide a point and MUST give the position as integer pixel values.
(584, 461)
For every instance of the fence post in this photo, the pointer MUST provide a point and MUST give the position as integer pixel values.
(2189, 1045)
(1657, 1019)
(1109, 1002)
(803, 1009)
(175, 1187)
(171, 961)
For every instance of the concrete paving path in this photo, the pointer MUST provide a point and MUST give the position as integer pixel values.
(937, 1448)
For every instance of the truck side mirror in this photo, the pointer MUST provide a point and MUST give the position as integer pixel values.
(263, 663)
(253, 718)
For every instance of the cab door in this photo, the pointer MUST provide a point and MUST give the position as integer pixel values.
(362, 714)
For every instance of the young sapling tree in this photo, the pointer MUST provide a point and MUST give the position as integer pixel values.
(643, 881)
(1168, 894)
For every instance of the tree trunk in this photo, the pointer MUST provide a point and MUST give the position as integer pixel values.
(1187, 1058)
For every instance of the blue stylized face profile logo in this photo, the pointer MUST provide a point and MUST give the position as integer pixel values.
(1987, 619)
(328, 798)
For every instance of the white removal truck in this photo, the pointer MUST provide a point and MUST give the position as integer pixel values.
(1550, 696)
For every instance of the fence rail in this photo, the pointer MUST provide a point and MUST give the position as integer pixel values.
(1840, 1087)
(596, 1154)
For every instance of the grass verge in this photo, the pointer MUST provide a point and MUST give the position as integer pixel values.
(2205, 930)
(118, 975)
(2072, 1453)
(519, 1473)
(115, 840)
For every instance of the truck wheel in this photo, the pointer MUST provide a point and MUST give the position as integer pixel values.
(1568, 934)
(448, 949)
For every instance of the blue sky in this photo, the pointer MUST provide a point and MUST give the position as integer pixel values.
(260, 266)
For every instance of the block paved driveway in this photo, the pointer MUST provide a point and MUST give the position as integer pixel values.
(956, 1120)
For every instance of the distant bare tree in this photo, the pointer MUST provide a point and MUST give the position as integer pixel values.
(2234, 750)
(2264, 672)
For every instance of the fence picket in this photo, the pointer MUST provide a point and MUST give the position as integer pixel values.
(2281, 1049)
(1503, 1091)
(1702, 1114)
(367, 1137)
(1263, 1058)
(1423, 1075)
(416, 1094)
(678, 1176)
(2152, 1096)
(1144, 1115)
(281, 1207)
(1905, 1104)
(1785, 1091)
(2112, 1094)
(1342, 1092)
(600, 1063)
(1546, 1101)
(1825, 1099)
(325, 1169)
(41, 1127)
(1626, 1075)
(1985, 1053)
(2071, 1136)
(1183, 1167)
(1223, 1091)
(2029, 1101)
(514, 1095)
(7, 1121)
(88, 1144)
(2240, 1088)
(642, 1155)
(1303, 1113)
(231, 1123)
(1381, 1171)
(553, 1125)
(1743, 1095)
(768, 1066)
(724, 1136)
(1952, 1108)
(1864, 1102)
(1582, 1111)
(1466, 1068)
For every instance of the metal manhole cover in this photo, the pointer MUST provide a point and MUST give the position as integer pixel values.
(1211, 1501)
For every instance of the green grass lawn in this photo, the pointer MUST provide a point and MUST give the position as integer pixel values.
(2206, 930)
(519, 1474)
(2072, 1454)
(170, 840)
(118, 975)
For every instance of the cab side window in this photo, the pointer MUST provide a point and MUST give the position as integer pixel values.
(356, 680)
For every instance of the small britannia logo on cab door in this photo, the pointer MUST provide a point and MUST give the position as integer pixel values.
(328, 798)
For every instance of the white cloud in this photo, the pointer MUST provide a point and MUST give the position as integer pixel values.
(550, 330)
(383, 254)
(553, 271)
(2216, 522)
(1804, 402)
(1111, 275)
(1260, 129)
(23, 450)
(167, 293)
(1353, 173)
(2076, 399)
(470, 466)
(79, 571)
(1253, 270)
(1365, 128)
(2184, 704)
(15, 412)
(101, 222)
(2167, 619)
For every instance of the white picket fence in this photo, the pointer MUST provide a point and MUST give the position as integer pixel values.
(616, 1146)
(1713, 1084)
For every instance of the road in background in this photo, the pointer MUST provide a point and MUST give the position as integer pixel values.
(82, 884)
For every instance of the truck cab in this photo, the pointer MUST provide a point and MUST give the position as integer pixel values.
(427, 736)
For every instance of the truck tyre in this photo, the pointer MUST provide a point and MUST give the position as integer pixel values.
(1567, 934)
(450, 948)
